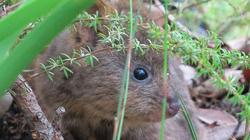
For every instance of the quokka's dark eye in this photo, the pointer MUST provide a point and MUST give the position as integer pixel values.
(140, 73)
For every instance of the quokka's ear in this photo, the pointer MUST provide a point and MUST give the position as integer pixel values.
(147, 9)
(105, 7)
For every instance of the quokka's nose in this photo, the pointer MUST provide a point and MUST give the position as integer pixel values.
(173, 106)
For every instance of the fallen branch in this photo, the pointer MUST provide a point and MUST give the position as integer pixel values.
(26, 100)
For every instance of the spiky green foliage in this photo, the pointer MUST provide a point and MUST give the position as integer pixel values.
(63, 62)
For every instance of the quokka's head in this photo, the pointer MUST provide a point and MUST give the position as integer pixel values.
(97, 89)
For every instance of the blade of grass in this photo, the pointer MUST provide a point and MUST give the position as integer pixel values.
(163, 118)
(121, 114)
(116, 135)
(247, 137)
(165, 72)
(188, 119)
(31, 45)
(247, 128)
(125, 84)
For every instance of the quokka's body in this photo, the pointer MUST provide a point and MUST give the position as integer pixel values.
(90, 94)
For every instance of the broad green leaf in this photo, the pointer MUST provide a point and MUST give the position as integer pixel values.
(28, 12)
(31, 45)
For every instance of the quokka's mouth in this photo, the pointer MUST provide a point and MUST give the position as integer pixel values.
(171, 111)
(173, 108)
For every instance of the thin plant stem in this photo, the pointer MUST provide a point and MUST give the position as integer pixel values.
(165, 72)
(246, 137)
(188, 119)
(163, 120)
(125, 84)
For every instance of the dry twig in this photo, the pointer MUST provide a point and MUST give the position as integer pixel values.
(26, 100)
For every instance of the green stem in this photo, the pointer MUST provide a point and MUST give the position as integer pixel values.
(165, 72)
(124, 91)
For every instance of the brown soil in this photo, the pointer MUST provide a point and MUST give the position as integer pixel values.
(14, 125)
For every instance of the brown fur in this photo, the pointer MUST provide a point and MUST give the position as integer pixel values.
(148, 10)
(90, 94)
